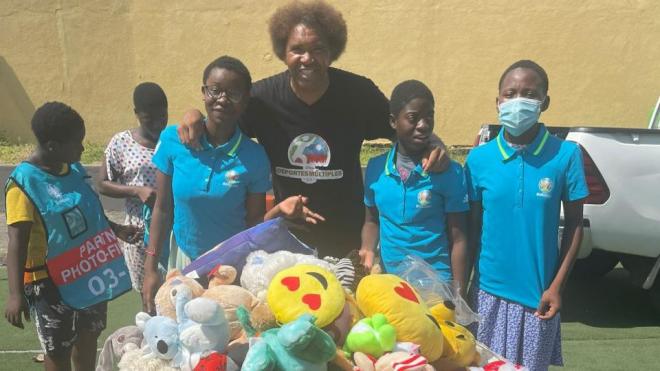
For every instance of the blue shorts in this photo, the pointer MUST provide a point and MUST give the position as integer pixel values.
(58, 325)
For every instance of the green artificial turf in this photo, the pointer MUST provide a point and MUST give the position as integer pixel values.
(121, 312)
(606, 325)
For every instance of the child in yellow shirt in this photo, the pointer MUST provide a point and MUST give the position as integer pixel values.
(63, 260)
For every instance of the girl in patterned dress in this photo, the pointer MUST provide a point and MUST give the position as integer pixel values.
(127, 169)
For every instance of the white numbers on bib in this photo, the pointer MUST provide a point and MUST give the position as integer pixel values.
(96, 284)
(114, 281)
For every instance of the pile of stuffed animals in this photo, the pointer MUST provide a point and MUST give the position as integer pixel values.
(295, 312)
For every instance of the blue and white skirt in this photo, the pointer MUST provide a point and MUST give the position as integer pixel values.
(512, 331)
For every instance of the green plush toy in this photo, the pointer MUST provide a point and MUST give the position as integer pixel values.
(371, 335)
(296, 346)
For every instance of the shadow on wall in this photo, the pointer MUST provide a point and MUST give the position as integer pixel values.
(16, 107)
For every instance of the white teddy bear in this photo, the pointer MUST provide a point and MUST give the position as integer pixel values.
(203, 329)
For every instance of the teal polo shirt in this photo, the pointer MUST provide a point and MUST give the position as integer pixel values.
(521, 193)
(210, 186)
(412, 214)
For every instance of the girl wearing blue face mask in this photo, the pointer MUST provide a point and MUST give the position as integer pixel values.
(517, 184)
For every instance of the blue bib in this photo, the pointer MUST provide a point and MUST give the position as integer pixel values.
(84, 258)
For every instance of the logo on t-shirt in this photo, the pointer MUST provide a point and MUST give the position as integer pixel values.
(545, 187)
(424, 199)
(309, 151)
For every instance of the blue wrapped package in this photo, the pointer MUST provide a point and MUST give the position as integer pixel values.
(270, 236)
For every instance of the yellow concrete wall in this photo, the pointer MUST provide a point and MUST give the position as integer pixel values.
(603, 56)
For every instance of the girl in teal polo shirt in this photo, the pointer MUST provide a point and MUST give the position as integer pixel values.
(517, 184)
(209, 195)
(408, 210)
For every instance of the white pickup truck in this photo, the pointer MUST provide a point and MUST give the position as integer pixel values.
(622, 212)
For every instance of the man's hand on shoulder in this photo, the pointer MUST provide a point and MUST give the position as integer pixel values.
(191, 128)
(436, 158)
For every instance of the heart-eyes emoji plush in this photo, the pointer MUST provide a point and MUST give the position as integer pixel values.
(306, 289)
(404, 309)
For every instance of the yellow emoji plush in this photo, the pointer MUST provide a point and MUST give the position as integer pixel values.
(460, 346)
(404, 309)
(444, 311)
(306, 289)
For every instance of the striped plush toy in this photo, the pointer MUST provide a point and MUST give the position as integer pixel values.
(395, 361)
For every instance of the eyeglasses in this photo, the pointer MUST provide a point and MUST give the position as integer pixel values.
(215, 92)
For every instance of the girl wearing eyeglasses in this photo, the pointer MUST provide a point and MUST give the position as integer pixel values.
(212, 193)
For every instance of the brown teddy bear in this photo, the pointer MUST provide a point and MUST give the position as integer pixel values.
(165, 297)
(230, 297)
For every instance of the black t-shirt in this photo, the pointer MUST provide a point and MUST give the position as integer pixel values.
(314, 150)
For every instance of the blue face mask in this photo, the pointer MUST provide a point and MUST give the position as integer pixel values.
(519, 114)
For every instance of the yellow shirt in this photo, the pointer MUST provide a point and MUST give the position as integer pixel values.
(21, 209)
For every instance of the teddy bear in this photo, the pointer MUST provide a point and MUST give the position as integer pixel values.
(296, 346)
(118, 343)
(371, 335)
(165, 297)
(230, 297)
(161, 345)
(133, 360)
(202, 329)
(161, 336)
(222, 275)
(393, 361)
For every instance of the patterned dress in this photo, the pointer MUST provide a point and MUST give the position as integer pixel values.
(129, 163)
(512, 331)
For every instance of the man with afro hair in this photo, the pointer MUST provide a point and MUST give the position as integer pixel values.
(312, 119)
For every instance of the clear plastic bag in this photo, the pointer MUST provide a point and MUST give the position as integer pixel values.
(434, 290)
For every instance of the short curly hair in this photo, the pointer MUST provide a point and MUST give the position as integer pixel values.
(55, 121)
(528, 64)
(318, 15)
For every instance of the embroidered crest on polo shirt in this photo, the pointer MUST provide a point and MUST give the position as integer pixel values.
(309, 152)
(545, 187)
(231, 178)
(424, 199)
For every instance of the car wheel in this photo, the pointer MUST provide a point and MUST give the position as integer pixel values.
(638, 266)
(597, 264)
